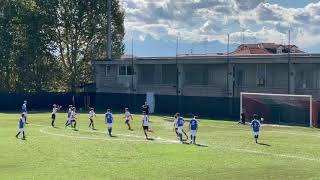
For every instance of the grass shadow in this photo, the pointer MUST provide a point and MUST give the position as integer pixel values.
(201, 145)
(263, 144)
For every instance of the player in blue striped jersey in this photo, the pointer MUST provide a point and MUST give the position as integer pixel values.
(109, 121)
(180, 123)
(175, 126)
(22, 121)
(24, 110)
(255, 124)
(193, 125)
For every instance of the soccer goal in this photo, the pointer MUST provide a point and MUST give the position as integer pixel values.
(287, 109)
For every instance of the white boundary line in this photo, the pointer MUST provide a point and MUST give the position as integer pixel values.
(272, 131)
(160, 140)
(264, 153)
(174, 142)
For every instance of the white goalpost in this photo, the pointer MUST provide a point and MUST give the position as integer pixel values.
(279, 108)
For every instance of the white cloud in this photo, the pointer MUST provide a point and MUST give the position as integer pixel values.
(210, 20)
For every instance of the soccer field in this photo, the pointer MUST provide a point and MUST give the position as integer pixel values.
(226, 151)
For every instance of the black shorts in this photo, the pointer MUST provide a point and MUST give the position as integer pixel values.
(73, 120)
(53, 116)
(146, 127)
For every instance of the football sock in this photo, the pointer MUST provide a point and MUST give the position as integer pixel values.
(18, 134)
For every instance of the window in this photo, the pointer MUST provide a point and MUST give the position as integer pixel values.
(146, 74)
(108, 70)
(129, 70)
(169, 74)
(240, 78)
(261, 75)
(125, 70)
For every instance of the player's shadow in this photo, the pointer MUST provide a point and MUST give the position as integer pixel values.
(150, 139)
(201, 145)
(76, 129)
(264, 144)
(113, 136)
(56, 127)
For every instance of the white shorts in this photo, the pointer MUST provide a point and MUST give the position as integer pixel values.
(193, 132)
(180, 129)
(25, 113)
(256, 133)
(109, 125)
(21, 129)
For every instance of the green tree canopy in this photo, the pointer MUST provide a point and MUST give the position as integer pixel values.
(46, 45)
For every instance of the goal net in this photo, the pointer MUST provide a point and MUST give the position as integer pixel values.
(280, 108)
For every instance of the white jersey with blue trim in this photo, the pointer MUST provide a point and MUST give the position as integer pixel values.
(145, 120)
(91, 114)
(72, 115)
(54, 110)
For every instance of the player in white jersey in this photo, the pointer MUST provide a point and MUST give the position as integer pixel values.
(92, 114)
(73, 121)
(128, 118)
(145, 124)
(68, 116)
(55, 109)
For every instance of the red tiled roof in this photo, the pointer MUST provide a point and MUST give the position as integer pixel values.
(262, 48)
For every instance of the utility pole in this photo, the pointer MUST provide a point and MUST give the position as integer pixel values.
(133, 70)
(177, 76)
(109, 43)
(290, 71)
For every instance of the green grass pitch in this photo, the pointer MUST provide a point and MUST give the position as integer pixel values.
(227, 151)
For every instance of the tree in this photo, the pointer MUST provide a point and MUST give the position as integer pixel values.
(25, 50)
(46, 45)
(80, 36)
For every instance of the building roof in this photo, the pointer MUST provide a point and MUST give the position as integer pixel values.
(265, 48)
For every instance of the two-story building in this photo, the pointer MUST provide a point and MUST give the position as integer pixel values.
(210, 84)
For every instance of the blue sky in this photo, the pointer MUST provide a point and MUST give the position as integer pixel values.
(202, 26)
